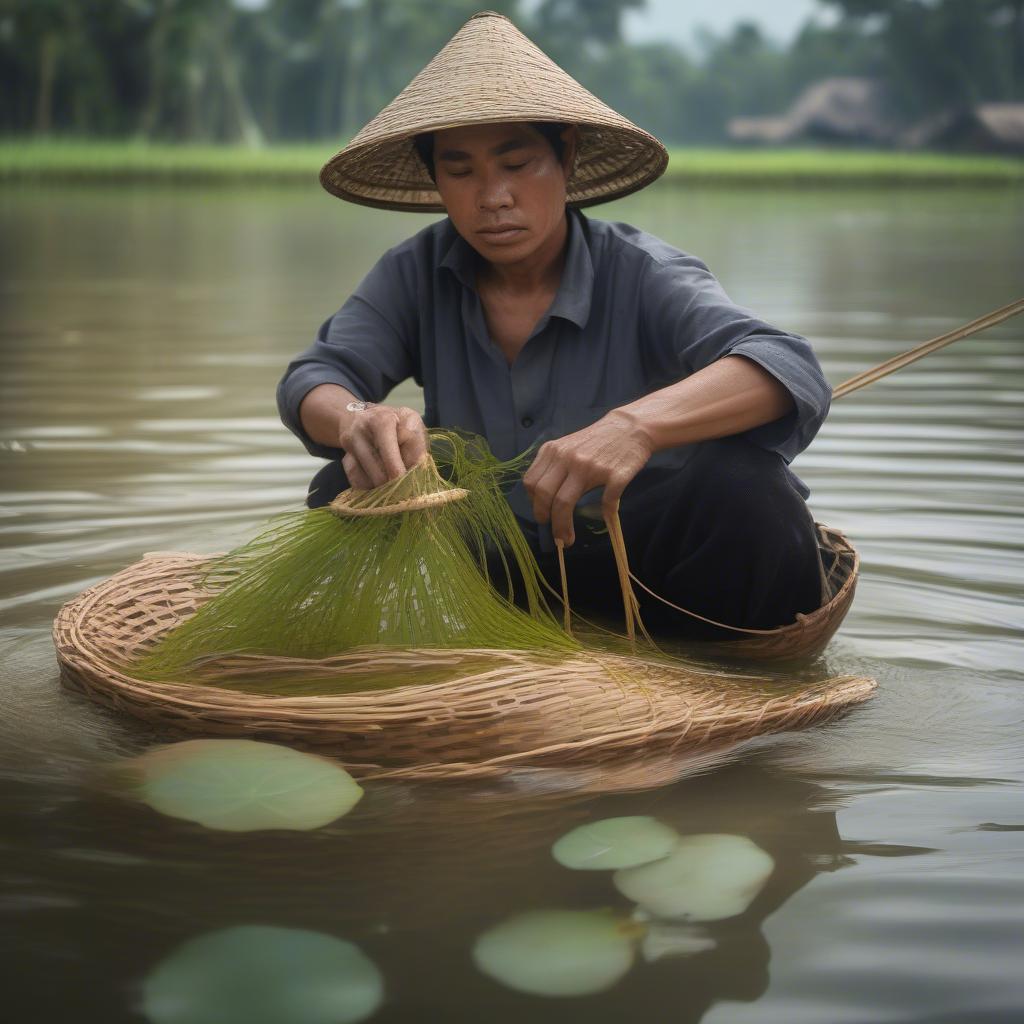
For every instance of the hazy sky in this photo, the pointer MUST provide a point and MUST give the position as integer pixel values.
(676, 20)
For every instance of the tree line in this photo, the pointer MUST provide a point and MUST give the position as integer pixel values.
(292, 70)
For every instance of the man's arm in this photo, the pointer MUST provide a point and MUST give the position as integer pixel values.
(360, 354)
(730, 396)
(689, 324)
(379, 442)
(735, 374)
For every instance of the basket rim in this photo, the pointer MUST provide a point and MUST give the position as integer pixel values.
(489, 726)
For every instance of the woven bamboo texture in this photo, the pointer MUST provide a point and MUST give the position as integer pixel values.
(498, 712)
(490, 72)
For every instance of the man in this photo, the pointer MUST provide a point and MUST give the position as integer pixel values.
(527, 322)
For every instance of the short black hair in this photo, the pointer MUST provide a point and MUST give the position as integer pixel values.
(551, 130)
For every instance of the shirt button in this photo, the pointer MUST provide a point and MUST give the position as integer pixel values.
(527, 421)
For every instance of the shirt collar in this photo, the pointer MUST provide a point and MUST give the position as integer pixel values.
(573, 298)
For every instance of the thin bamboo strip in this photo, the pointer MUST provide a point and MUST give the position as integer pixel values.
(566, 611)
(345, 504)
(622, 567)
(866, 377)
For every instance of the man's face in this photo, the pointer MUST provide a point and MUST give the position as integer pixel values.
(503, 187)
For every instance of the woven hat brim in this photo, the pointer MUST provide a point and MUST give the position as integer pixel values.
(490, 73)
(611, 162)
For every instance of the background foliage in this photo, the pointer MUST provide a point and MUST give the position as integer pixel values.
(291, 70)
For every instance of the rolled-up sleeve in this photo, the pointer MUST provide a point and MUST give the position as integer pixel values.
(690, 322)
(368, 347)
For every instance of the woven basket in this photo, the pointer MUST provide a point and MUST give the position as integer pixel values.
(811, 632)
(522, 710)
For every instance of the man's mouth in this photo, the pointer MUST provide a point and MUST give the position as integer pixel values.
(501, 234)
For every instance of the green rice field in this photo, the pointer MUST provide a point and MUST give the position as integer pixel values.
(74, 160)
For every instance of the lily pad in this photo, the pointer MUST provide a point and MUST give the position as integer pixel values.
(256, 974)
(557, 952)
(705, 878)
(615, 843)
(243, 785)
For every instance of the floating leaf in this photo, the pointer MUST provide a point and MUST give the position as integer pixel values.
(242, 785)
(256, 974)
(557, 952)
(705, 878)
(615, 843)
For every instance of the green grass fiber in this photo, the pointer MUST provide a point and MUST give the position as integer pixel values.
(315, 584)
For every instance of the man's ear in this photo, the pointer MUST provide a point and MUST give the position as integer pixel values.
(570, 137)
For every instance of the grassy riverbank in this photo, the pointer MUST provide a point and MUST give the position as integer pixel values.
(73, 161)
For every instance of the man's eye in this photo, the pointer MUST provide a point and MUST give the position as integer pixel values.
(458, 174)
(516, 167)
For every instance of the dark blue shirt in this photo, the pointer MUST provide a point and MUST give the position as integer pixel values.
(632, 314)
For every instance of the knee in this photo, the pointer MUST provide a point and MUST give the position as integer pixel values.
(745, 492)
(733, 470)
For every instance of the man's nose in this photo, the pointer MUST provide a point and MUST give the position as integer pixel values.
(494, 193)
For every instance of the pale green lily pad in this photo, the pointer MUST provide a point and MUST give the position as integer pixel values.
(243, 785)
(615, 843)
(705, 878)
(557, 952)
(256, 974)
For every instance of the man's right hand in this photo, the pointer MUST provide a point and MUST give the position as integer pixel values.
(381, 442)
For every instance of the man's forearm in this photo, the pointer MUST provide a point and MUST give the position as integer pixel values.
(323, 415)
(730, 396)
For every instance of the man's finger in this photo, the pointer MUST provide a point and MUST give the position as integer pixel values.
(544, 491)
(412, 437)
(369, 460)
(613, 489)
(384, 433)
(356, 477)
(562, 508)
(540, 465)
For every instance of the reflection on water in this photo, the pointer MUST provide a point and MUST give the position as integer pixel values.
(557, 953)
(413, 877)
(141, 335)
(256, 974)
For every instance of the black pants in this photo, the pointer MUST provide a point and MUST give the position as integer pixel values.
(727, 536)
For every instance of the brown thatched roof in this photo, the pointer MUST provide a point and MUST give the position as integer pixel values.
(987, 127)
(760, 129)
(832, 110)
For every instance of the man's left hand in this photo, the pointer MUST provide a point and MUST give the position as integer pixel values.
(608, 453)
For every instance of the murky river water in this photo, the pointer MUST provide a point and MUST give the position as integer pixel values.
(141, 335)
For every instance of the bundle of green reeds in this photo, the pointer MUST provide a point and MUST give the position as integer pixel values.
(405, 565)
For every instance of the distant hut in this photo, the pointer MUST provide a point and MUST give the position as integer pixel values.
(850, 111)
(765, 131)
(985, 128)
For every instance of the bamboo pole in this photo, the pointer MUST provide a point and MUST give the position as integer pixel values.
(866, 377)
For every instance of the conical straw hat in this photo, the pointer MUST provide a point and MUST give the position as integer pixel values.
(490, 72)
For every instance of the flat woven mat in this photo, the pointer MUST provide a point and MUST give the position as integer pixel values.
(498, 711)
